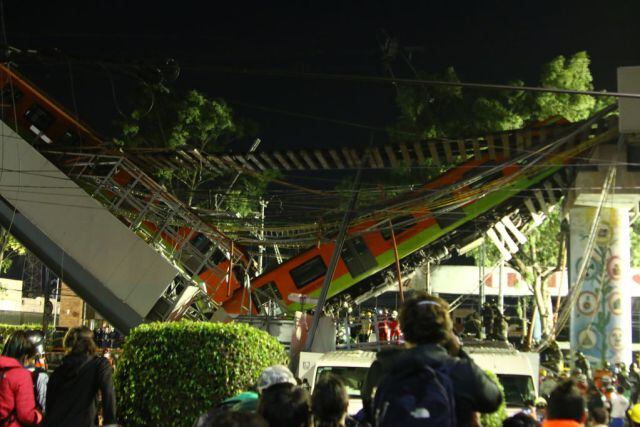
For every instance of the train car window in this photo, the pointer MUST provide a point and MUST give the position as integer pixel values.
(39, 117)
(446, 219)
(482, 168)
(308, 272)
(400, 225)
(201, 243)
(633, 157)
(357, 256)
(192, 263)
(10, 94)
(70, 139)
(215, 259)
(218, 256)
(266, 293)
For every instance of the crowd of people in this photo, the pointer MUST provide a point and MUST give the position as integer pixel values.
(368, 326)
(68, 397)
(429, 381)
(108, 337)
(610, 392)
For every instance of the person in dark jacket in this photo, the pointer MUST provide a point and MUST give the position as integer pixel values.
(17, 398)
(73, 387)
(428, 331)
(566, 407)
(330, 402)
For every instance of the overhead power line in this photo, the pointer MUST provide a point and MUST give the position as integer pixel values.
(417, 82)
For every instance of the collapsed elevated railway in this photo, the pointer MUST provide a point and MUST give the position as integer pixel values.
(494, 184)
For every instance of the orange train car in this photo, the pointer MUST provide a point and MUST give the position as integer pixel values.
(365, 251)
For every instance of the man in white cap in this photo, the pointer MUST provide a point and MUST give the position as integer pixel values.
(282, 403)
(276, 374)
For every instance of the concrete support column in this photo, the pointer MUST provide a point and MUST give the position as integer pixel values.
(601, 314)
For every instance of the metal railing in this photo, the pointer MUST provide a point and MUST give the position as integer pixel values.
(156, 216)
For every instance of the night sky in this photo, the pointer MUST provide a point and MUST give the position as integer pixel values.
(486, 41)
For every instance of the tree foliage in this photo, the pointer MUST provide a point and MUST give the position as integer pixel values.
(9, 249)
(176, 120)
(566, 73)
(194, 121)
(429, 112)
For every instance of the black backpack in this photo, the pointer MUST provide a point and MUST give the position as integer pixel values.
(415, 397)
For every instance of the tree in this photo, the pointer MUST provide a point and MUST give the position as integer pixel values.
(193, 121)
(9, 249)
(454, 112)
(566, 73)
(430, 112)
(542, 255)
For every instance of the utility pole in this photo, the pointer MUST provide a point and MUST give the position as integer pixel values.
(500, 288)
(56, 308)
(334, 257)
(261, 248)
(398, 270)
(481, 277)
(481, 298)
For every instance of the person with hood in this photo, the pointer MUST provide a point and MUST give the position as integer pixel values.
(17, 399)
(74, 385)
(430, 341)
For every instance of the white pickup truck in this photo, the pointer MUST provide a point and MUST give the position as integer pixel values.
(518, 372)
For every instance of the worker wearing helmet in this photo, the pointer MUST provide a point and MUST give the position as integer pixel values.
(37, 367)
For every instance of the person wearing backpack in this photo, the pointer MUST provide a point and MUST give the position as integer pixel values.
(73, 387)
(17, 401)
(431, 381)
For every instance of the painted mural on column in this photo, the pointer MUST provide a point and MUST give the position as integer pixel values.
(601, 314)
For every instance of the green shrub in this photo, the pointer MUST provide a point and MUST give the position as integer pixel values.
(496, 418)
(170, 373)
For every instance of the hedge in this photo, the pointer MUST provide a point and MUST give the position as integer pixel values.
(170, 373)
(496, 418)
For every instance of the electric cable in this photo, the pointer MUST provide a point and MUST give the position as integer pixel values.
(410, 81)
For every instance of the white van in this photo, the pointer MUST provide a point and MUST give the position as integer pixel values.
(350, 365)
(518, 372)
